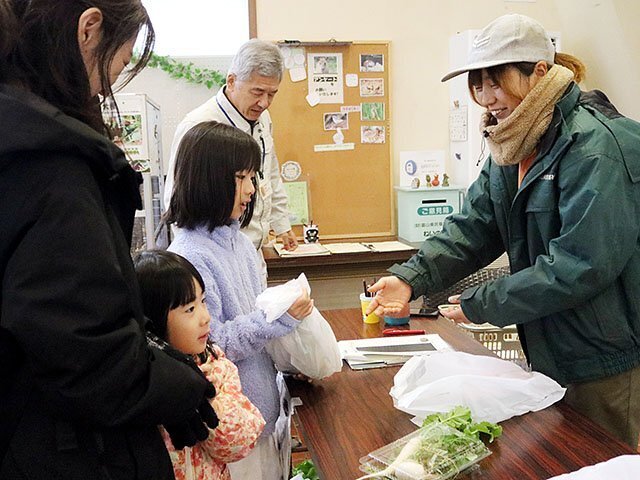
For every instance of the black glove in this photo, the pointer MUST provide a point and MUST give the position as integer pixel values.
(194, 429)
(206, 411)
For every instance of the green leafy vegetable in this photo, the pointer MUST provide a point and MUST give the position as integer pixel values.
(460, 419)
(307, 469)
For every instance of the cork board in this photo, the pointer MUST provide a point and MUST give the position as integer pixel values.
(350, 191)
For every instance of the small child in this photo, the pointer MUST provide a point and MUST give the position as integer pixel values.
(213, 196)
(173, 299)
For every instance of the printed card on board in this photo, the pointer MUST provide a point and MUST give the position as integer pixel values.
(325, 76)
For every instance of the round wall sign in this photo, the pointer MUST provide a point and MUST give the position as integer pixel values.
(291, 170)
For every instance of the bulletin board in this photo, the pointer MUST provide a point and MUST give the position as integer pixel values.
(350, 191)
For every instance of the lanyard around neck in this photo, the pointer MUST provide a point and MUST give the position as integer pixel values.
(262, 145)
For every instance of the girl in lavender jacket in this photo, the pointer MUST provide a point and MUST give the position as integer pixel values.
(213, 197)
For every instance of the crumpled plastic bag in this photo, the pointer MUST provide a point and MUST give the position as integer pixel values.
(310, 349)
(493, 389)
(624, 467)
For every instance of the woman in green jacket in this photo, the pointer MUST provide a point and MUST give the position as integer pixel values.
(560, 195)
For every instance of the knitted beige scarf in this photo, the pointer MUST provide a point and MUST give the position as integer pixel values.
(515, 138)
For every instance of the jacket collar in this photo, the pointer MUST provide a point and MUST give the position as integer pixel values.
(553, 143)
(223, 235)
(564, 106)
(231, 112)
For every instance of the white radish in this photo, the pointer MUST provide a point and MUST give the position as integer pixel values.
(410, 469)
(407, 452)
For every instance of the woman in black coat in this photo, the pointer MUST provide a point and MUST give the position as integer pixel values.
(81, 392)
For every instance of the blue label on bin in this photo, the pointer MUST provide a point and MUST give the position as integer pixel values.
(441, 210)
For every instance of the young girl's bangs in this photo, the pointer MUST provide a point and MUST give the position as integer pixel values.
(183, 288)
(247, 156)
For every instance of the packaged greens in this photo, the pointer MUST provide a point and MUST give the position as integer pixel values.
(433, 452)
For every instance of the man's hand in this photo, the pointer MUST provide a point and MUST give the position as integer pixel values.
(288, 239)
(392, 297)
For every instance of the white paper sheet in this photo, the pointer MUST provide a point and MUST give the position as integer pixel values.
(303, 250)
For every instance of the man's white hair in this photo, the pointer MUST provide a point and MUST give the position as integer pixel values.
(257, 56)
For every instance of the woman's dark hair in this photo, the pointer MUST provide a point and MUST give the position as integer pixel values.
(44, 55)
(498, 74)
(7, 26)
(166, 282)
(208, 158)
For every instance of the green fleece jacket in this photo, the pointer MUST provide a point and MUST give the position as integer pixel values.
(571, 232)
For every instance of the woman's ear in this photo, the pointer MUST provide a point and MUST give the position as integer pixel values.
(541, 68)
(89, 31)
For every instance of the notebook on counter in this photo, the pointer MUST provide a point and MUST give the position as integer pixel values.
(387, 351)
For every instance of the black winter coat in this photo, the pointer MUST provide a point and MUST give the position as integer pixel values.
(81, 393)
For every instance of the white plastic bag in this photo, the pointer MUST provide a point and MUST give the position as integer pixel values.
(310, 349)
(493, 389)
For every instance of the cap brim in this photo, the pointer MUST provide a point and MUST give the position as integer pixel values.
(476, 66)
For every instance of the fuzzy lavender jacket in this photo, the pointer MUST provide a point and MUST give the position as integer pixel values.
(229, 265)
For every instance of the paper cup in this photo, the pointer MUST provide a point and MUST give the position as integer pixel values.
(364, 304)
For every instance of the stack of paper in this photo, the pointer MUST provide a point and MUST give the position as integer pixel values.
(392, 246)
(385, 351)
(303, 250)
(347, 248)
(310, 249)
(364, 247)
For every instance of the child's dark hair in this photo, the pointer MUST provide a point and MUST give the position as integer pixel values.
(166, 282)
(208, 158)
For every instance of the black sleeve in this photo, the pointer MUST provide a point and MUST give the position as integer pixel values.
(66, 302)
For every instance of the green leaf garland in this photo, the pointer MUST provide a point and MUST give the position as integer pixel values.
(185, 71)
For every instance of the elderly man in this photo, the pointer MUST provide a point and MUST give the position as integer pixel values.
(252, 83)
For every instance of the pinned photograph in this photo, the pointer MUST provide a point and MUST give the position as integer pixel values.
(372, 62)
(335, 120)
(372, 87)
(325, 64)
(372, 134)
(372, 111)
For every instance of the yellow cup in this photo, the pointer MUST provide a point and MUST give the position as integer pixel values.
(364, 304)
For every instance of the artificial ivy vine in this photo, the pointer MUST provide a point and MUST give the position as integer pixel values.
(187, 71)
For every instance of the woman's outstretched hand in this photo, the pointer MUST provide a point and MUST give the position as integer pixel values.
(391, 298)
(453, 311)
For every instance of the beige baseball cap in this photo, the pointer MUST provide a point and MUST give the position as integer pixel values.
(508, 39)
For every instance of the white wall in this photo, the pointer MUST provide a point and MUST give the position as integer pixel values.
(603, 33)
(175, 98)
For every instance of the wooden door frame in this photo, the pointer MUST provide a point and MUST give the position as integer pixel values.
(253, 22)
